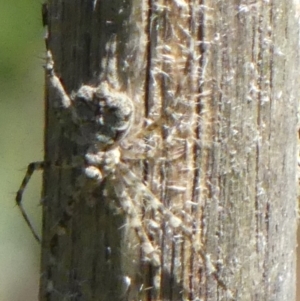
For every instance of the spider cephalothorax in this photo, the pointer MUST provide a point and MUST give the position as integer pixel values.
(100, 116)
(103, 117)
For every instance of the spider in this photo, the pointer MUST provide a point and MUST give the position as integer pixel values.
(102, 118)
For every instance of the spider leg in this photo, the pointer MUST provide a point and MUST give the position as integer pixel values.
(135, 222)
(132, 180)
(55, 83)
(32, 167)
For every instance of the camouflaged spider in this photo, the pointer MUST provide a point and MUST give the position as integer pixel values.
(101, 117)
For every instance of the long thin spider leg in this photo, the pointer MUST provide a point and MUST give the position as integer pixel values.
(131, 180)
(55, 83)
(32, 167)
(136, 223)
(65, 102)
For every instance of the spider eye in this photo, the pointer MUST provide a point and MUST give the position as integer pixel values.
(112, 109)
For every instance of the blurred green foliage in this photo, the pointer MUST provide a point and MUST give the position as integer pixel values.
(20, 33)
(21, 124)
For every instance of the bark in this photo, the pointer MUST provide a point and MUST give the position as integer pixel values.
(218, 79)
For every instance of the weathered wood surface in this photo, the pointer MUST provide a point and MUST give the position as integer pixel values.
(222, 77)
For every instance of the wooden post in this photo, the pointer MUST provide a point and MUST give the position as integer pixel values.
(210, 185)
